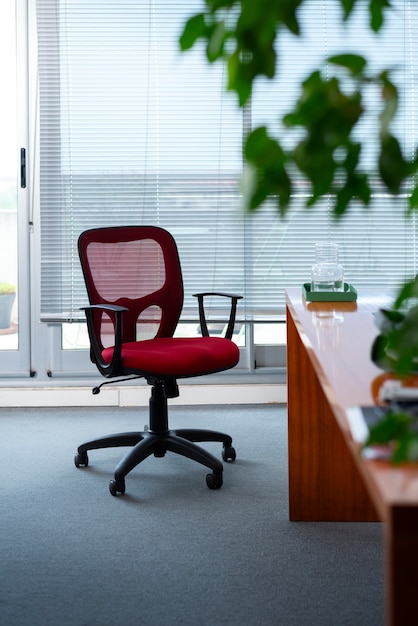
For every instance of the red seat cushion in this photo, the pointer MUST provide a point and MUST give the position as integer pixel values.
(177, 357)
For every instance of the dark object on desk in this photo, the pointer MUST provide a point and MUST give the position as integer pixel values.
(135, 288)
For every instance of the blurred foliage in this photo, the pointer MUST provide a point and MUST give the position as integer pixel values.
(399, 429)
(7, 288)
(244, 34)
(396, 347)
(330, 105)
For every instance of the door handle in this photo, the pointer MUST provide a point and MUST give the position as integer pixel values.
(23, 168)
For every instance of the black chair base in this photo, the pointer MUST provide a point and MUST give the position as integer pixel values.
(157, 441)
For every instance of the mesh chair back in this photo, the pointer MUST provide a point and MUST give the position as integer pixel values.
(137, 267)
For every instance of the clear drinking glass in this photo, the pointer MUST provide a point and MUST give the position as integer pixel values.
(326, 273)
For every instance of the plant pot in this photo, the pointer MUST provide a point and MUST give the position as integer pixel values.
(6, 305)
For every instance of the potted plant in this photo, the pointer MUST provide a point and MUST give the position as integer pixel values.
(7, 298)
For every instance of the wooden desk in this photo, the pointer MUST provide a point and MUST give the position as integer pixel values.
(328, 370)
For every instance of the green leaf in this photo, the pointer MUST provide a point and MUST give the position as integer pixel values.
(261, 149)
(352, 62)
(390, 98)
(403, 343)
(287, 14)
(194, 28)
(393, 426)
(397, 431)
(387, 319)
(408, 291)
(352, 158)
(402, 449)
(379, 355)
(392, 166)
(377, 8)
(348, 6)
(343, 199)
(238, 79)
(267, 176)
(356, 186)
(216, 42)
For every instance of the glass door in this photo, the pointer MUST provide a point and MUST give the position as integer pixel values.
(14, 325)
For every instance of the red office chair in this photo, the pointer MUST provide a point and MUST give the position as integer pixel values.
(135, 288)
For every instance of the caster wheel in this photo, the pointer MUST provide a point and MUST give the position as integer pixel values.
(214, 481)
(116, 486)
(81, 458)
(229, 454)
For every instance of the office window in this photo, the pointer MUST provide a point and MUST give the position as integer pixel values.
(133, 131)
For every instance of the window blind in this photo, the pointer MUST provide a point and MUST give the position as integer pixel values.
(133, 131)
(377, 244)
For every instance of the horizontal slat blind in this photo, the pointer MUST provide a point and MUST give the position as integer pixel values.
(377, 245)
(133, 131)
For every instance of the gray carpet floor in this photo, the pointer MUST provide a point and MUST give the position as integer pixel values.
(170, 551)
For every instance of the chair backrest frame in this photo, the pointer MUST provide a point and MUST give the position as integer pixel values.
(137, 267)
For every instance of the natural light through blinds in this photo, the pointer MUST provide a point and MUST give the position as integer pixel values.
(133, 131)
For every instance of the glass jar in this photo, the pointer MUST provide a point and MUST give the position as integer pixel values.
(326, 273)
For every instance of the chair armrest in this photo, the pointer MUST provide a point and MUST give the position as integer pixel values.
(106, 369)
(231, 323)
